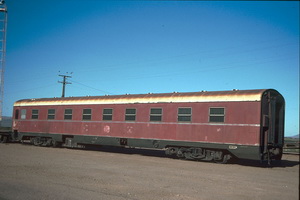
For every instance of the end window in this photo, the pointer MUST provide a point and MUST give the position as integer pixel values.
(184, 114)
(216, 114)
(23, 114)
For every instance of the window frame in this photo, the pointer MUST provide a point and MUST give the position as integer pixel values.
(129, 115)
(110, 115)
(66, 115)
(155, 115)
(35, 115)
(86, 116)
(210, 115)
(180, 115)
(51, 116)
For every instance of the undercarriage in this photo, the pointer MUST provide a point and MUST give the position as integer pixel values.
(191, 153)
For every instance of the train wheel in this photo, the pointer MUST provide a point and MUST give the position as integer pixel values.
(278, 156)
(54, 143)
(187, 156)
(224, 159)
(37, 141)
(3, 139)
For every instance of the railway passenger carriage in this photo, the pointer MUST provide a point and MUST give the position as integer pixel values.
(215, 126)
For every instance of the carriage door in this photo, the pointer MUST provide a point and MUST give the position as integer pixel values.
(272, 133)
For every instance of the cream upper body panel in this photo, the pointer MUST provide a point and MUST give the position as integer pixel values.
(223, 96)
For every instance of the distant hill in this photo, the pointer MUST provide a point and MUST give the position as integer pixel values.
(295, 136)
(6, 121)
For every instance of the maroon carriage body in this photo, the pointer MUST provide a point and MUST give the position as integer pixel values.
(242, 122)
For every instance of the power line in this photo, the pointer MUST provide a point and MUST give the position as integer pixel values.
(92, 87)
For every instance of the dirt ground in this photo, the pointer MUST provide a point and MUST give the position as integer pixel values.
(29, 172)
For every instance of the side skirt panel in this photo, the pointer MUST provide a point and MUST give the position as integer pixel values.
(240, 151)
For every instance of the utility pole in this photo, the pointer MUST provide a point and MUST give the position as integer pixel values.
(3, 24)
(64, 82)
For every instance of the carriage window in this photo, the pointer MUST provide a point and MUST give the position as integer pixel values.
(23, 114)
(130, 114)
(51, 113)
(216, 114)
(68, 114)
(155, 114)
(184, 114)
(34, 114)
(107, 114)
(87, 114)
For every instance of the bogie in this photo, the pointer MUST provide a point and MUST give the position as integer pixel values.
(192, 153)
(41, 141)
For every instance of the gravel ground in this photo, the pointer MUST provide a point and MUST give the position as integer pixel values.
(29, 172)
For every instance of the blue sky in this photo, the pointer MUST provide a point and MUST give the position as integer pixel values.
(118, 47)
